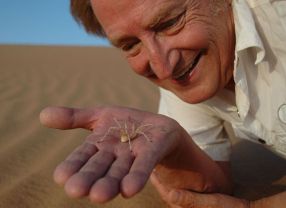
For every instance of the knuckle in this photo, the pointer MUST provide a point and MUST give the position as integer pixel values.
(182, 198)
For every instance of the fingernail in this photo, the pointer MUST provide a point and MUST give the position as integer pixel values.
(173, 196)
(155, 178)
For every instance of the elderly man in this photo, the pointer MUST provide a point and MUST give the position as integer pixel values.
(214, 61)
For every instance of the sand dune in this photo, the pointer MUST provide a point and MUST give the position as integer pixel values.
(33, 77)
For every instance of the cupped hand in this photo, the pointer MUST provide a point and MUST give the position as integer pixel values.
(182, 198)
(102, 166)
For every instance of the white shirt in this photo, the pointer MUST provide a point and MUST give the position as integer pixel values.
(257, 110)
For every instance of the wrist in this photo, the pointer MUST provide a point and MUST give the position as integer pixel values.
(275, 201)
(180, 150)
(193, 168)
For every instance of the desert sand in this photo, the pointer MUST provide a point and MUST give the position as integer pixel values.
(33, 77)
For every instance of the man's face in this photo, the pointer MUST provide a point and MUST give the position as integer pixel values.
(185, 46)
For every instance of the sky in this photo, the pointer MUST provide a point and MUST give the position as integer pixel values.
(42, 22)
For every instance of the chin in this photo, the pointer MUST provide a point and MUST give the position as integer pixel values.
(196, 96)
(192, 100)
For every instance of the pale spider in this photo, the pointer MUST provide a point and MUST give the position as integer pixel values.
(127, 132)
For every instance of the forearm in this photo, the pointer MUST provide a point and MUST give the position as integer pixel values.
(194, 169)
(276, 201)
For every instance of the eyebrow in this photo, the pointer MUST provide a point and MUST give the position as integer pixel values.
(164, 13)
(170, 9)
(117, 42)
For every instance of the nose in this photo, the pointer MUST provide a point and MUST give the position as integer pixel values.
(162, 59)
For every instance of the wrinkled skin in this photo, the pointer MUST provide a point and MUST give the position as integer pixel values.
(161, 39)
(181, 198)
(103, 170)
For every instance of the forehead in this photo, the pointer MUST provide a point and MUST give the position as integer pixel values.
(100, 6)
(123, 13)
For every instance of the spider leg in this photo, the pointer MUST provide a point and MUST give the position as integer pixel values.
(142, 127)
(129, 142)
(139, 130)
(146, 137)
(125, 127)
(128, 136)
(107, 133)
(132, 132)
(117, 122)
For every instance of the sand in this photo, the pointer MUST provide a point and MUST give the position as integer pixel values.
(33, 77)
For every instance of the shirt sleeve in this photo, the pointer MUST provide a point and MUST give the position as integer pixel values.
(201, 122)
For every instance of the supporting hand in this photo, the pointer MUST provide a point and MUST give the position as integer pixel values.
(180, 198)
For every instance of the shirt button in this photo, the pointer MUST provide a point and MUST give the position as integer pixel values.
(238, 114)
(282, 113)
(262, 141)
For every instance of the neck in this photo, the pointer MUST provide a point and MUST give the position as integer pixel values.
(230, 85)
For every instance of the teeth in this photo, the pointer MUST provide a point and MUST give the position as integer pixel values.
(184, 71)
(191, 66)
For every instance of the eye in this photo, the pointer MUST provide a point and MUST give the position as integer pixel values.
(129, 45)
(169, 24)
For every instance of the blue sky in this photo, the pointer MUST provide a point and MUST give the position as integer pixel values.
(41, 22)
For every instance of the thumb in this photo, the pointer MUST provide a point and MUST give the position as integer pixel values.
(183, 198)
(68, 118)
(162, 190)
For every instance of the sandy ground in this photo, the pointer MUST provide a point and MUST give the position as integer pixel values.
(33, 77)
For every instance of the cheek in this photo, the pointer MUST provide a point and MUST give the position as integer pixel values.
(194, 36)
(139, 64)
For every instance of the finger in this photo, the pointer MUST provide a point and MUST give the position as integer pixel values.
(74, 162)
(162, 190)
(174, 206)
(108, 187)
(174, 197)
(195, 200)
(167, 194)
(157, 184)
(68, 118)
(80, 183)
(139, 174)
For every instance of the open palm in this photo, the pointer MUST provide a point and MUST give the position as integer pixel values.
(102, 166)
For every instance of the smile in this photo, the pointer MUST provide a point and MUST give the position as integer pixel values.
(186, 72)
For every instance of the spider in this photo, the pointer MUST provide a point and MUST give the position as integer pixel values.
(127, 132)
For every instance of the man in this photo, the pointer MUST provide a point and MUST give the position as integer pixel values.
(214, 61)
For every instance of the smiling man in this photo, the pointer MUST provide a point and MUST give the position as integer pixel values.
(214, 61)
(186, 47)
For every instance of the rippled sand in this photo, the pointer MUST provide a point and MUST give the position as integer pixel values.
(33, 77)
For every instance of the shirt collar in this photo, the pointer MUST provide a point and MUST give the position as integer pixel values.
(246, 37)
(245, 30)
